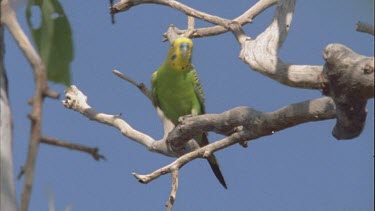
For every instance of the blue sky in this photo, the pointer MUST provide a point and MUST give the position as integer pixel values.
(302, 168)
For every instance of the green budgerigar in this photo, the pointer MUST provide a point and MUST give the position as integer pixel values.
(176, 92)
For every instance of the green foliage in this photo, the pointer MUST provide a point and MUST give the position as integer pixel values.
(53, 38)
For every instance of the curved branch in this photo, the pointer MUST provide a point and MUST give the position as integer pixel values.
(261, 54)
(125, 5)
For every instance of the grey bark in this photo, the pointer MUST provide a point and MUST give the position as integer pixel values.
(350, 84)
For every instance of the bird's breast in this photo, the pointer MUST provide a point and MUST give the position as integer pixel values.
(177, 96)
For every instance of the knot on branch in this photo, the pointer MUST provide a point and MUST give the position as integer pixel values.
(350, 79)
(75, 99)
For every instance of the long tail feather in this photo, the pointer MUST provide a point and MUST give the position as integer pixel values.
(216, 169)
(203, 141)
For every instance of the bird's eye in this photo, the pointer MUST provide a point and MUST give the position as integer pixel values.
(173, 57)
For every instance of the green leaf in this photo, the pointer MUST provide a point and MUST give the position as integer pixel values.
(53, 38)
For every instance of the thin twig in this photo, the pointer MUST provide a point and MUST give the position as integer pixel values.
(141, 86)
(93, 151)
(191, 23)
(172, 196)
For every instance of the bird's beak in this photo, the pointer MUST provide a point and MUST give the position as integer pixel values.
(184, 48)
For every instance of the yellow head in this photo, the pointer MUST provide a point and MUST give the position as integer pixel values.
(179, 54)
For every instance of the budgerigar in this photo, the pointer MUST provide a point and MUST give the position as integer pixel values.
(176, 92)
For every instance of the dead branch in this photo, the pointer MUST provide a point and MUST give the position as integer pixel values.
(77, 101)
(259, 123)
(141, 86)
(225, 123)
(261, 53)
(221, 24)
(123, 6)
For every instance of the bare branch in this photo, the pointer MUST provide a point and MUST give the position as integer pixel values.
(364, 27)
(77, 101)
(259, 123)
(261, 53)
(125, 5)
(221, 24)
(172, 196)
(93, 151)
(246, 17)
(191, 23)
(141, 86)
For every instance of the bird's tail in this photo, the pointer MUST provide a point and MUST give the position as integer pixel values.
(203, 141)
(216, 169)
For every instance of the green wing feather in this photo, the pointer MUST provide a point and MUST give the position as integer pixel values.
(154, 93)
(198, 90)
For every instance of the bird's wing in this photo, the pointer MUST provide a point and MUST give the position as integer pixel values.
(155, 100)
(198, 90)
